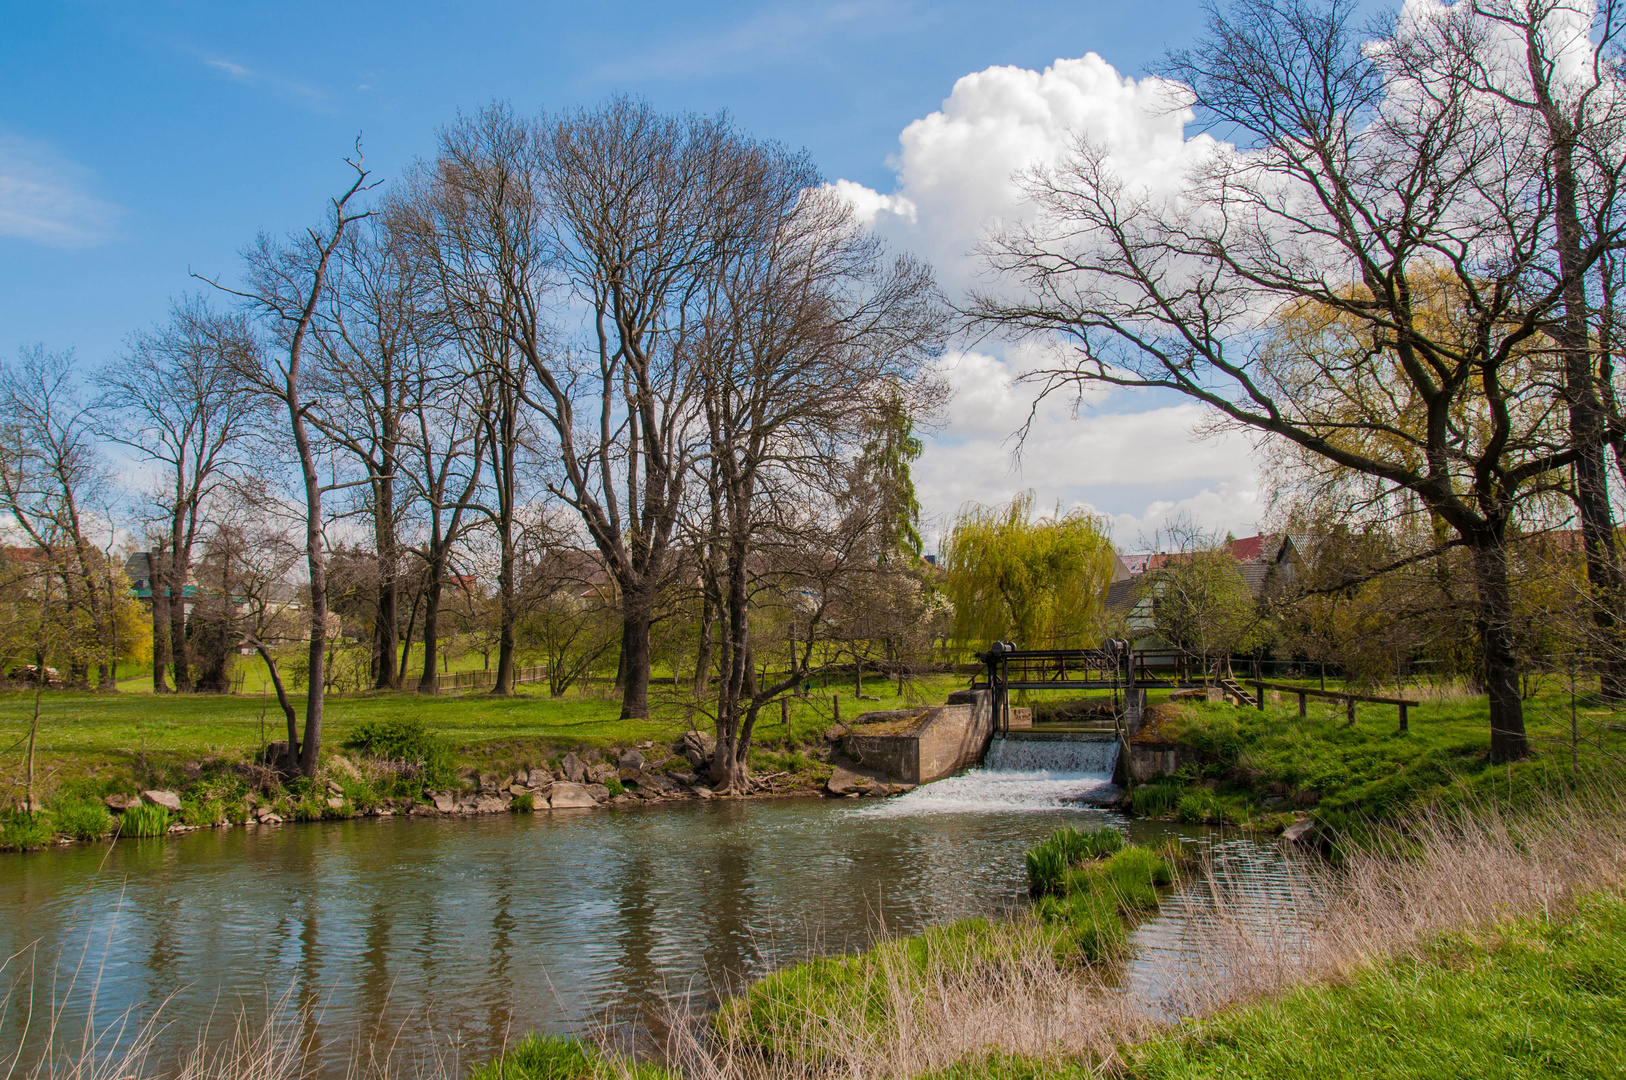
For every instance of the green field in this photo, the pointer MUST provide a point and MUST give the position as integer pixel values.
(128, 735)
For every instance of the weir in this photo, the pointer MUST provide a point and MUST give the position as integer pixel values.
(1022, 771)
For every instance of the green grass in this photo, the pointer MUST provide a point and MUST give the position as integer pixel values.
(554, 1057)
(1546, 999)
(118, 740)
(1372, 773)
(145, 820)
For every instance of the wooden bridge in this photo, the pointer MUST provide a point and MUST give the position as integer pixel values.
(1119, 668)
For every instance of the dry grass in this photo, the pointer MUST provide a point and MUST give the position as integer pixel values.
(1467, 873)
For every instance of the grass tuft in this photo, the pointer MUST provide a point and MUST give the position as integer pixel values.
(145, 820)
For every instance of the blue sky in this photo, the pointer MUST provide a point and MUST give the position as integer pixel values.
(138, 141)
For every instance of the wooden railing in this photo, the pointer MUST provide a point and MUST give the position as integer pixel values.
(483, 680)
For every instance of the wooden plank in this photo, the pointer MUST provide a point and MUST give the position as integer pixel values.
(1337, 695)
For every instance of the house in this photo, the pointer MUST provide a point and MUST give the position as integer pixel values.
(1132, 595)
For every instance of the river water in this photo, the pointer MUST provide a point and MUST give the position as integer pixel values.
(451, 936)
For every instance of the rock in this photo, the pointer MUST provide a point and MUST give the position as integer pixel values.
(333, 788)
(341, 765)
(899, 789)
(1301, 831)
(657, 782)
(835, 734)
(573, 768)
(488, 804)
(490, 782)
(539, 778)
(271, 819)
(645, 745)
(630, 761)
(598, 791)
(121, 803)
(698, 747)
(687, 779)
(571, 796)
(597, 774)
(167, 799)
(445, 803)
(842, 782)
(335, 804)
(262, 812)
(516, 789)
(704, 792)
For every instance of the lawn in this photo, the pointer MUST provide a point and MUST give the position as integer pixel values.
(1542, 999)
(1375, 772)
(116, 736)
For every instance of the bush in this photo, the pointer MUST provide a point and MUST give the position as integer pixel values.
(82, 819)
(1068, 847)
(360, 795)
(19, 832)
(145, 820)
(1198, 807)
(306, 808)
(203, 813)
(523, 803)
(405, 740)
(555, 1057)
(1150, 800)
(615, 787)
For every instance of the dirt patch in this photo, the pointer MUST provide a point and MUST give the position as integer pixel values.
(898, 722)
(1156, 724)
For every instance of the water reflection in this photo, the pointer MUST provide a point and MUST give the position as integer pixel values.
(476, 930)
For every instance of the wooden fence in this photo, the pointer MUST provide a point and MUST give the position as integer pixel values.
(482, 680)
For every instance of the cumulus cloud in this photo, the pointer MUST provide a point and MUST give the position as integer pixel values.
(48, 199)
(1131, 456)
(957, 169)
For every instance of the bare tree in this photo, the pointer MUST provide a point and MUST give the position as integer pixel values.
(177, 402)
(51, 476)
(809, 333)
(1400, 247)
(287, 287)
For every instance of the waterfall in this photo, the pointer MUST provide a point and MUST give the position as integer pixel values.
(1017, 775)
(1093, 756)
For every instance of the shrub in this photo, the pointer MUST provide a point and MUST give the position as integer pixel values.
(404, 740)
(201, 812)
(555, 1057)
(1068, 847)
(82, 819)
(360, 795)
(1150, 800)
(523, 803)
(1198, 807)
(306, 808)
(615, 787)
(19, 832)
(145, 820)
(236, 811)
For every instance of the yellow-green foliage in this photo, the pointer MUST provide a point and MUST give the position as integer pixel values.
(1093, 900)
(554, 1057)
(786, 1011)
(1040, 583)
(1539, 999)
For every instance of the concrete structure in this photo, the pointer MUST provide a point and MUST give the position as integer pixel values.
(919, 746)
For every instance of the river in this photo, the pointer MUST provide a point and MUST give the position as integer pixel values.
(450, 936)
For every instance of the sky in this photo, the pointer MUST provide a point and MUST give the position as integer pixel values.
(142, 143)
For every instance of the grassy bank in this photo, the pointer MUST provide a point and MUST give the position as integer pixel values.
(1261, 768)
(105, 741)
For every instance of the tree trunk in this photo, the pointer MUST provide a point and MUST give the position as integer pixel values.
(635, 666)
(180, 570)
(386, 628)
(431, 626)
(1495, 619)
(282, 699)
(160, 623)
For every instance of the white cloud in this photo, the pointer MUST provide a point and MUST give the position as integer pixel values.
(47, 199)
(1133, 457)
(288, 89)
(1126, 455)
(957, 167)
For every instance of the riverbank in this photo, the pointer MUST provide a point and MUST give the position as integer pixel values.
(1494, 946)
(202, 756)
(1269, 769)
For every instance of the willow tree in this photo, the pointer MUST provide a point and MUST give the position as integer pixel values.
(1039, 582)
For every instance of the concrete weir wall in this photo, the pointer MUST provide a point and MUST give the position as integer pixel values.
(917, 747)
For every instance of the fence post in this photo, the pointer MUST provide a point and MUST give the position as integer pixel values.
(1350, 702)
(1403, 726)
(835, 699)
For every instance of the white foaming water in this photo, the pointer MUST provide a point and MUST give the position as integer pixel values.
(1017, 775)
